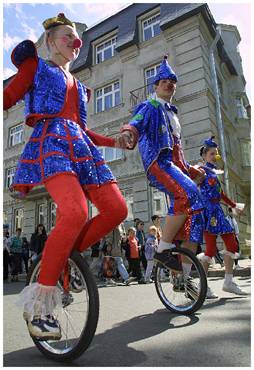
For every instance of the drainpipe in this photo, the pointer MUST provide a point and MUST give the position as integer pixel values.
(218, 107)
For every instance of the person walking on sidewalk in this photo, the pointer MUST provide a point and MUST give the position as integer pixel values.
(215, 220)
(6, 253)
(38, 240)
(134, 260)
(16, 254)
(150, 249)
(141, 241)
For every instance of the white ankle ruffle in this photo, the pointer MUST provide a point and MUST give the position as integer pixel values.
(39, 300)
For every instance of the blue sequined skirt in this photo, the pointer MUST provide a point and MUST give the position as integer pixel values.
(215, 220)
(57, 146)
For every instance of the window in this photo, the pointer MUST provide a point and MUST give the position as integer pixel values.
(241, 111)
(40, 213)
(111, 154)
(52, 220)
(150, 73)
(246, 150)
(10, 173)
(105, 50)
(151, 27)
(159, 203)
(128, 195)
(18, 218)
(16, 135)
(107, 97)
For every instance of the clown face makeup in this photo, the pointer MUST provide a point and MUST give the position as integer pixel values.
(211, 155)
(166, 89)
(65, 41)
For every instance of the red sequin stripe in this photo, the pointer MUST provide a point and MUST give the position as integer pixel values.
(99, 163)
(36, 139)
(69, 138)
(182, 204)
(44, 131)
(46, 155)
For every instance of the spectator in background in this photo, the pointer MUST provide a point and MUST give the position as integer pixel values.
(134, 255)
(141, 241)
(6, 253)
(16, 254)
(135, 221)
(150, 249)
(38, 240)
(114, 241)
(25, 252)
(156, 220)
(230, 217)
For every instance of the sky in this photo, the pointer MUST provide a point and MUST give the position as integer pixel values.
(24, 21)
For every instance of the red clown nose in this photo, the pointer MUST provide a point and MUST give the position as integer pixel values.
(77, 43)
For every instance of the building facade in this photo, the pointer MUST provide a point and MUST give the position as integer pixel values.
(119, 58)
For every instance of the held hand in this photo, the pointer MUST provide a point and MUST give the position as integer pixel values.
(125, 140)
(239, 208)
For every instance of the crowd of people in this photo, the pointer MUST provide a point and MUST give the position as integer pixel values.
(19, 253)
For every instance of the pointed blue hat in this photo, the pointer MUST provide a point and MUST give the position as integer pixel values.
(165, 71)
(210, 143)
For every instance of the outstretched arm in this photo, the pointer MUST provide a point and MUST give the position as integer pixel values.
(227, 200)
(20, 83)
(101, 140)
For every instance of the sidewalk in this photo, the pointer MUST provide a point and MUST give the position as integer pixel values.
(218, 271)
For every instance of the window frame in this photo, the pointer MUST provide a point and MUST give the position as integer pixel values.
(101, 43)
(51, 206)
(147, 19)
(7, 176)
(104, 95)
(18, 224)
(41, 213)
(10, 141)
(154, 67)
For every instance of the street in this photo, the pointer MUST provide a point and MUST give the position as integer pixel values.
(134, 329)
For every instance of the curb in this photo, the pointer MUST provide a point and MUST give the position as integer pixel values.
(245, 271)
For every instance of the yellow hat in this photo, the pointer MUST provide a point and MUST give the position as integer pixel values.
(57, 21)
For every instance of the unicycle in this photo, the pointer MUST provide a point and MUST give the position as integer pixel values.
(179, 292)
(79, 316)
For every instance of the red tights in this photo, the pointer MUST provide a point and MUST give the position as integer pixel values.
(229, 241)
(72, 229)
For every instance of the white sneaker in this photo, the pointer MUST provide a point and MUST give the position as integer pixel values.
(210, 294)
(237, 267)
(233, 288)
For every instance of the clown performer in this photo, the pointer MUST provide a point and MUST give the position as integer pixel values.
(61, 154)
(215, 220)
(156, 128)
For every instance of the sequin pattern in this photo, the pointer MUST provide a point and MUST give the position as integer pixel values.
(63, 147)
(49, 90)
(215, 220)
(23, 50)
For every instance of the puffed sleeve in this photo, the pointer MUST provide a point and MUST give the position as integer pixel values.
(25, 58)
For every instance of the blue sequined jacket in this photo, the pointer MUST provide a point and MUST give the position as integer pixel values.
(212, 194)
(41, 100)
(151, 128)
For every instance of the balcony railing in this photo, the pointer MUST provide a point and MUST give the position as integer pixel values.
(139, 95)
